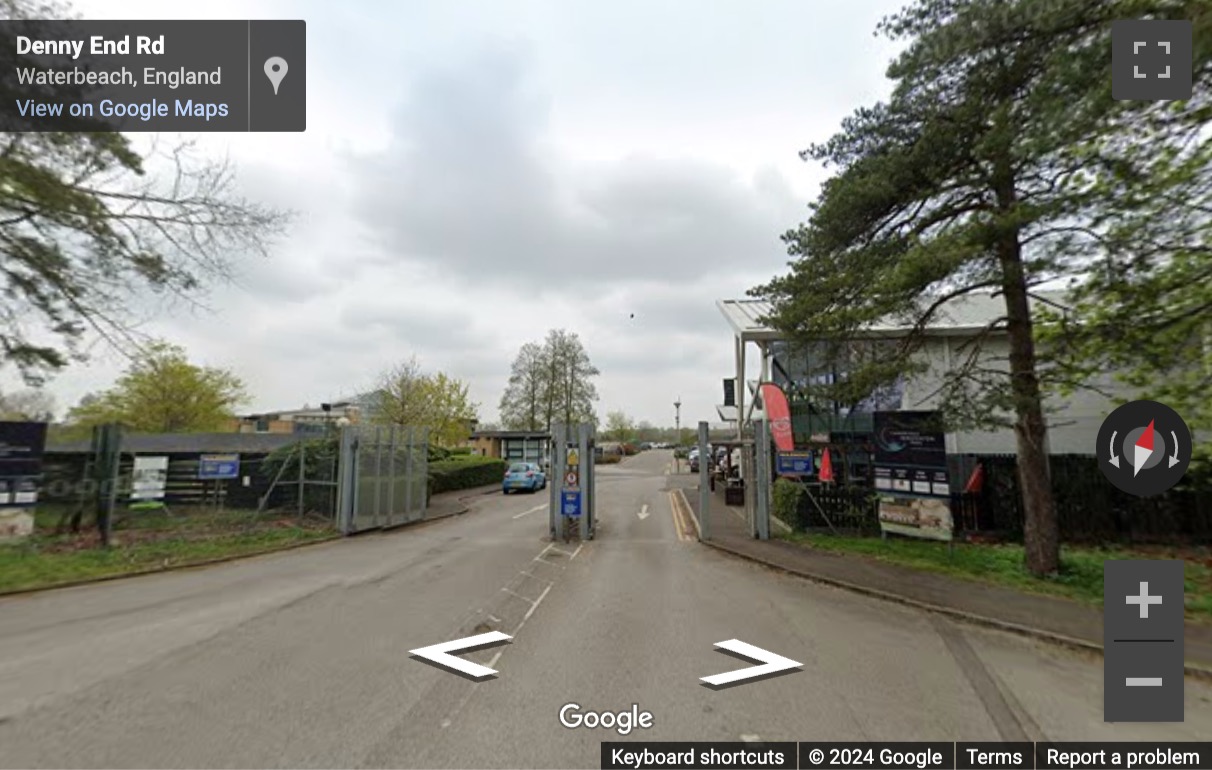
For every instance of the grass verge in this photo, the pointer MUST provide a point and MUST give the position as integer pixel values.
(1081, 576)
(147, 540)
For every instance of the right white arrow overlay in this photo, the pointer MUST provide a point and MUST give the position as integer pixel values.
(439, 653)
(771, 663)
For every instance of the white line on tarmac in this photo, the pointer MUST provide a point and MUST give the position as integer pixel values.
(532, 510)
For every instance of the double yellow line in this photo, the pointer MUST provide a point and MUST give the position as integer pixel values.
(683, 517)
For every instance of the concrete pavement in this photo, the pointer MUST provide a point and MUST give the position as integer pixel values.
(301, 659)
(1059, 619)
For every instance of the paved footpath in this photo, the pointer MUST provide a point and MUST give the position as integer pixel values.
(1061, 619)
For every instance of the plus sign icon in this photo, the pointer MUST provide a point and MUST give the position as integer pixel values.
(1151, 59)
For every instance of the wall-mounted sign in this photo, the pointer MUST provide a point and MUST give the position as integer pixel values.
(794, 464)
(219, 466)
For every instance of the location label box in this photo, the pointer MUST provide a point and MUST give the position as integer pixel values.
(1143, 666)
(153, 76)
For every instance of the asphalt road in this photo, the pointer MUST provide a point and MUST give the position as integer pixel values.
(301, 659)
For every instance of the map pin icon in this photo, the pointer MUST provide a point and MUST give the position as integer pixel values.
(275, 70)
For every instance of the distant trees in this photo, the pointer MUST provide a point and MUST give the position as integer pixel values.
(407, 395)
(162, 392)
(549, 383)
(27, 405)
(619, 427)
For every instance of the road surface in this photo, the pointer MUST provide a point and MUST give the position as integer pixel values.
(301, 659)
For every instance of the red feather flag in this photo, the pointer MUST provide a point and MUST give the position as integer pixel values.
(826, 466)
(976, 482)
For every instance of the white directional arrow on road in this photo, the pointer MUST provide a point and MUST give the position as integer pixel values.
(643, 514)
(439, 653)
(771, 663)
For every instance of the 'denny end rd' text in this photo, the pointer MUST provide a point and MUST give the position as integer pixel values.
(97, 46)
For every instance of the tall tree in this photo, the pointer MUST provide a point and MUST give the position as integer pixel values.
(573, 392)
(407, 395)
(550, 383)
(522, 403)
(973, 176)
(88, 222)
(162, 392)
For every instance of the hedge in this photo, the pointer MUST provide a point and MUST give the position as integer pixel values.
(465, 473)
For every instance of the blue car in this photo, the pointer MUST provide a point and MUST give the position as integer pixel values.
(528, 476)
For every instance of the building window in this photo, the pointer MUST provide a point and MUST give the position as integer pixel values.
(262, 426)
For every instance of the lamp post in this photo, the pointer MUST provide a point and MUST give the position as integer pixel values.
(677, 419)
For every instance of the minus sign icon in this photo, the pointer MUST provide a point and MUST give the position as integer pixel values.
(1144, 681)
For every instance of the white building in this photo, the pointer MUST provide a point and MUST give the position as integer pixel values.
(1073, 421)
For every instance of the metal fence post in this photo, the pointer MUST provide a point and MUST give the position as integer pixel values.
(410, 493)
(392, 450)
(589, 480)
(344, 474)
(704, 483)
(378, 473)
(583, 476)
(762, 477)
(559, 459)
(302, 476)
(424, 460)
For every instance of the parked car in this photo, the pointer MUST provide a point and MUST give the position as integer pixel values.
(694, 460)
(527, 476)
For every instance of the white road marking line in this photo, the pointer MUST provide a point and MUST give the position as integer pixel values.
(747, 738)
(493, 663)
(494, 618)
(532, 510)
(574, 553)
(515, 593)
(534, 607)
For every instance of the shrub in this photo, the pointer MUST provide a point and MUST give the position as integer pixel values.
(465, 473)
(437, 453)
(786, 502)
(460, 451)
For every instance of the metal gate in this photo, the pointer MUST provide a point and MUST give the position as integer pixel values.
(735, 501)
(384, 476)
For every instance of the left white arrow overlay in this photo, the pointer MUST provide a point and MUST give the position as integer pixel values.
(771, 663)
(440, 653)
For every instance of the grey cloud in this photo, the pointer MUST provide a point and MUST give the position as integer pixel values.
(400, 318)
(468, 183)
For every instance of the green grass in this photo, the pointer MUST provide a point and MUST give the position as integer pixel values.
(1081, 576)
(146, 540)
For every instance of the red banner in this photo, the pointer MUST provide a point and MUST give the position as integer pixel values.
(778, 412)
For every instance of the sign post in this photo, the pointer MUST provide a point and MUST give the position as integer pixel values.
(911, 475)
(704, 482)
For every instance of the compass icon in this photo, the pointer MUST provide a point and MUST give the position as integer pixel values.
(1144, 448)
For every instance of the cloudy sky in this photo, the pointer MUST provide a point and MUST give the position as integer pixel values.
(476, 172)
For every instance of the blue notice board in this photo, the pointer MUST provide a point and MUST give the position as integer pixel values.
(570, 502)
(794, 464)
(219, 466)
